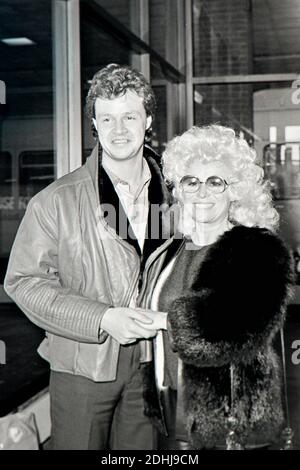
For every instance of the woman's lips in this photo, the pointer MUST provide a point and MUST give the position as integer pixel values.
(204, 205)
(120, 141)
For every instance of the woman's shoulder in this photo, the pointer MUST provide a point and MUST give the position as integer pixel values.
(243, 232)
(254, 238)
(248, 251)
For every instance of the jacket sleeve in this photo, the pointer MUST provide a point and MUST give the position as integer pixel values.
(32, 280)
(237, 302)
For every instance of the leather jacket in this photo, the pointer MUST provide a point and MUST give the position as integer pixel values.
(68, 266)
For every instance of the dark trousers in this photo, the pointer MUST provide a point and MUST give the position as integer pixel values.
(101, 415)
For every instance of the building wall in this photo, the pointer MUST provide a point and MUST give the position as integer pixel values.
(223, 46)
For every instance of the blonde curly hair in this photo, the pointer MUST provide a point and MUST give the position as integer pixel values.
(252, 204)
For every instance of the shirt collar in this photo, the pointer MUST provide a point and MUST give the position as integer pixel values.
(117, 181)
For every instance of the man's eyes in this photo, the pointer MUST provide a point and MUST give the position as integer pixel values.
(109, 120)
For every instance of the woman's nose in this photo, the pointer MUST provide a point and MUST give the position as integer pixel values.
(202, 190)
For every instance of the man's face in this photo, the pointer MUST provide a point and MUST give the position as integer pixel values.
(121, 123)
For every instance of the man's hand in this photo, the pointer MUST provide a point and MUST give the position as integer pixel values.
(159, 319)
(126, 325)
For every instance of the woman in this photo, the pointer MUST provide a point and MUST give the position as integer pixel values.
(225, 286)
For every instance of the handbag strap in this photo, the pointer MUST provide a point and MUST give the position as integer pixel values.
(287, 433)
(232, 438)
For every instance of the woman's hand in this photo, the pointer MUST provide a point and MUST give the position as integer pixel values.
(159, 319)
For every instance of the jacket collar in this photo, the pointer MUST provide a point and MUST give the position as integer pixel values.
(91, 166)
(158, 194)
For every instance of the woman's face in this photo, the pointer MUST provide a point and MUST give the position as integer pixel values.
(204, 206)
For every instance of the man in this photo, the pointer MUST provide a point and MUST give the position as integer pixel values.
(76, 272)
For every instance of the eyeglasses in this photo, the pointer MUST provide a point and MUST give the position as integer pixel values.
(213, 184)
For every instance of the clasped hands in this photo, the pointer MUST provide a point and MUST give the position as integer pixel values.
(127, 325)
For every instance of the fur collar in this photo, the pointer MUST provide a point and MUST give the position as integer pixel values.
(238, 296)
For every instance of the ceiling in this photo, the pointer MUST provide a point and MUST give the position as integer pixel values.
(26, 66)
